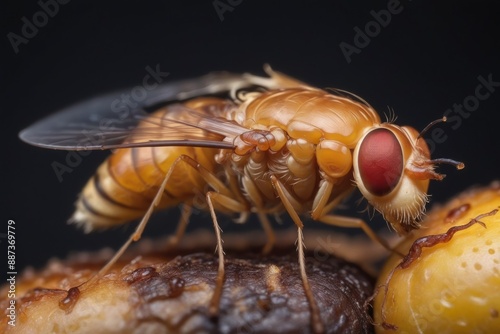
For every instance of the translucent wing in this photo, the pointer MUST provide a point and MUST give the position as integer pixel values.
(109, 121)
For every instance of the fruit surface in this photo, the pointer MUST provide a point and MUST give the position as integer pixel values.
(452, 286)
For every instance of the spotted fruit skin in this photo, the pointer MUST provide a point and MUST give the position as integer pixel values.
(452, 287)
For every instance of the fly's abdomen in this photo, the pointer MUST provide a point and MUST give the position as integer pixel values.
(127, 182)
(123, 188)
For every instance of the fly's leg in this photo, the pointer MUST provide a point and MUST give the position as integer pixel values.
(225, 200)
(321, 207)
(69, 301)
(342, 221)
(219, 283)
(256, 198)
(139, 229)
(268, 230)
(222, 197)
(286, 199)
(217, 199)
(181, 226)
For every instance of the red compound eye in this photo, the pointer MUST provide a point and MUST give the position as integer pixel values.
(380, 161)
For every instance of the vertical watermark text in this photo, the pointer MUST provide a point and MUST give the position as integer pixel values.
(11, 272)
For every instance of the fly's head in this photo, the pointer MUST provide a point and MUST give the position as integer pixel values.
(392, 169)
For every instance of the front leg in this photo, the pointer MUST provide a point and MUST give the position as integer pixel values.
(321, 207)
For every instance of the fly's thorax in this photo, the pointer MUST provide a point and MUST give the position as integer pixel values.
(310, 114)
(308, 134)
(320, 124)
(294, 165)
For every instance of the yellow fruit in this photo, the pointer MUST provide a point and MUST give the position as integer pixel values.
(451, 286)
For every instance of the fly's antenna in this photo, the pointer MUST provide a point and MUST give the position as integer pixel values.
(430, 125)
(458, 165)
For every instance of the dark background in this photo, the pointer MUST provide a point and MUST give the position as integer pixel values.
(425, 60)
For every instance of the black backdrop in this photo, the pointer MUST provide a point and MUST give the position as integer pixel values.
(421, 62)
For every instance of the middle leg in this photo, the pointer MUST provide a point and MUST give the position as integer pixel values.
(286, 197)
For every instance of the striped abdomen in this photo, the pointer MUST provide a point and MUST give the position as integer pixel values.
(126, 183)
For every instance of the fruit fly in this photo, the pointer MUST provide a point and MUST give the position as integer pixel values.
(271, 145)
